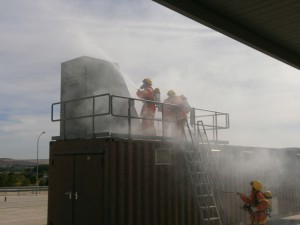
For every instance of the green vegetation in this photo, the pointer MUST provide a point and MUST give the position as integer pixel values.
(23, 176)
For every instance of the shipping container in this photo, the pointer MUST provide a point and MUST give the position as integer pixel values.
(115, 182)
(126, 182)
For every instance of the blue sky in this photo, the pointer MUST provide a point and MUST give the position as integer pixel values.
(146, 40)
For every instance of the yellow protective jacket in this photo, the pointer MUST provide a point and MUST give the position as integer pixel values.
(260, 205)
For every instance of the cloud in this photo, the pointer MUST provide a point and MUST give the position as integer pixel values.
(18, 136)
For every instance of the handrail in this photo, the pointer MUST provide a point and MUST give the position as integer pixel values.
(131, 102)
(76, 100)
(214, 115)
(142, 100)
(195, 113)
(214, 125)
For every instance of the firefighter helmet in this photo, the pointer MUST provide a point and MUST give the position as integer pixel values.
(257, 185)
(157, 90)
(147, 81)
(171, 93)
(268, 194)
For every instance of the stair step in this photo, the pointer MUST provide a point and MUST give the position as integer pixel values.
(212, 218)
(197, 173)
(201, 172)
(201, 184)
(211, 207)
(191, 152)
(207, 195)
(198, 166)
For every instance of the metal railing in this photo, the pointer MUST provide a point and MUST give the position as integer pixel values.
(33, 189)
(213, 119)
(210, 119)
(131, 104)
(63, 110)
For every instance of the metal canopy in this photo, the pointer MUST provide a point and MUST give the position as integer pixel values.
(271, 26)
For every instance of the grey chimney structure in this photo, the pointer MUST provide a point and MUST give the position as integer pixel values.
(84, 77)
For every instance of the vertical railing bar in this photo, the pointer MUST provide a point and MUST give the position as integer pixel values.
(163, 122)
(109, 104)
(213, 130)
(93, 118)
(52, 112)
(216, 126)
(129, 118)
(64, 119)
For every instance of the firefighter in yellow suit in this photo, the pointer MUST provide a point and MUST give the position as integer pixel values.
(146, 92)
(259, 204)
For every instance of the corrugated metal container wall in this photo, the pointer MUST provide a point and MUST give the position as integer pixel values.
(278, 169)
(145, 182)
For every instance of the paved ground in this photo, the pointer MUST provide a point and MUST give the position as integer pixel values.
(26, 209)
(291, 220)
(31, 209)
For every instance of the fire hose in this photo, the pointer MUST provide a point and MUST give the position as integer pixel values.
(245, 207)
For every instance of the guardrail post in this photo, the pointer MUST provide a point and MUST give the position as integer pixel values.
(130, 104)
(163, 122)
(216, 115)
(64, 120)
(93, 118)
(193, 119)
(192, 116)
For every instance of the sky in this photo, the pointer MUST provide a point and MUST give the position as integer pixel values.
(260, 93)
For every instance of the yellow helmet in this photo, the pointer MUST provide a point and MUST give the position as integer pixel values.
(171, 93)
(157, 90)
(147, 81)
(268, 194)
(257, 185)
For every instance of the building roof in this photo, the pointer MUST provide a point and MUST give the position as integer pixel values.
(271, 26)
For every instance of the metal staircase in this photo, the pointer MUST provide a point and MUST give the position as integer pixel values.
(203, 176)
